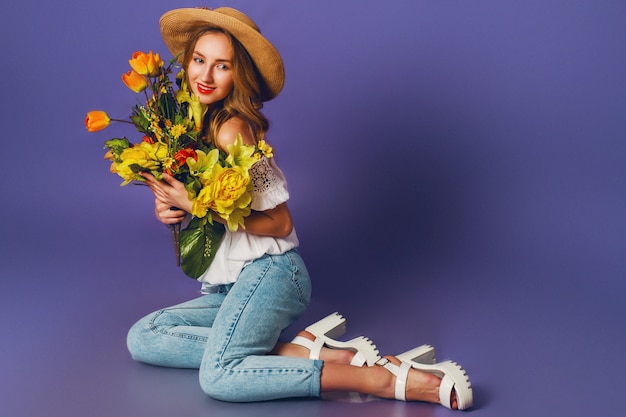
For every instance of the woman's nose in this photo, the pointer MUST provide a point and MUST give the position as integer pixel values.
(207, 75)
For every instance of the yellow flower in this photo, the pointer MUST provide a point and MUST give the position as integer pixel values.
(200, 205)
(135, 81)
(227, 193)
(169, 165)
(196, 110)
(177, 131)
(240, 155)
(157, 151)
(203, 166)
(146, 64)
(158, 132)
(146, 156)
(265, 149)
(230, 189)
(226, 189)
(97, 120)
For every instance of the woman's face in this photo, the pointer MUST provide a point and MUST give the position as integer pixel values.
(209, 72)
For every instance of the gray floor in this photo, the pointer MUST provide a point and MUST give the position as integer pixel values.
(531, 346)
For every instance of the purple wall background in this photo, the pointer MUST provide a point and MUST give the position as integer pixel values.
(457, 172)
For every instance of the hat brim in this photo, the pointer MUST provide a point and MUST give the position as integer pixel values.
(178, 25)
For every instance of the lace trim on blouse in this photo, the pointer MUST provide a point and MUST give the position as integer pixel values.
(270, 186)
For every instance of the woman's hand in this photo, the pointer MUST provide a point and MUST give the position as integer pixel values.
(168, 214)
(170, 192)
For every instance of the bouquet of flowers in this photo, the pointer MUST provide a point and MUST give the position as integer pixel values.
(170, 121)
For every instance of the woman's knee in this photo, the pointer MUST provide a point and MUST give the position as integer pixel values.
(213, 381)
(136, 340)
(219, 380)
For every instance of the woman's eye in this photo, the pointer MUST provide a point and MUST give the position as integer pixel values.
(198, 60)
(222, 66)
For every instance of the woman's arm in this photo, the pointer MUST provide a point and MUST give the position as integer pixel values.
(170, 193)
(274, 222)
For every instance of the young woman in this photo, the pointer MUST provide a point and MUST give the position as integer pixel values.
(258, 284)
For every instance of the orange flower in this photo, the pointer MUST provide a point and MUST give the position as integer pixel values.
(182, 155)
(146, 64)
(135, 81)
(111, 157)
(96, 120)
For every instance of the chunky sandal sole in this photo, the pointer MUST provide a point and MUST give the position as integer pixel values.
(327, 330)
(420, 354)
(331, 326)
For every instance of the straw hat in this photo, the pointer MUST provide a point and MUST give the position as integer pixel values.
(177, 27)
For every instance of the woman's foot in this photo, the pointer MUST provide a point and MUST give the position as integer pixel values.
(445, 383)
(419, 386)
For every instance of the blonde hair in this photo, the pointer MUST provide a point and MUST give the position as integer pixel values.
(244, 101)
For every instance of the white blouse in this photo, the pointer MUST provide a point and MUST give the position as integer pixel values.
(240, 248)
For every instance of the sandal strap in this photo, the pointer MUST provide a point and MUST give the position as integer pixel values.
(358, 359)
(401, 373)
(401, 378)
(445, 391)
(314, 346)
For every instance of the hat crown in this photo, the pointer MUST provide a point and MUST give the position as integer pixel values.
(236, 14)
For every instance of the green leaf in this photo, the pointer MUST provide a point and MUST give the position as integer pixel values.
(140, 122)
(193, 184)
(136, 168)
(117, 145)
(199, 242)
(167, 105)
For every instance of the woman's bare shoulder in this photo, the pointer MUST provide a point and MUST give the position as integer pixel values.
(230, 129)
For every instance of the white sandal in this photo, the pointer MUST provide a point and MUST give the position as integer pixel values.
(421, 354)
(331, 327)
(453, 377)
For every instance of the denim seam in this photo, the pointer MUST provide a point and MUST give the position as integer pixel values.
(294, 279)
(268, 371)
(241, 308)
(162, 330)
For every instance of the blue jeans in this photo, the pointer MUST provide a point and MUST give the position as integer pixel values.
(228, 334)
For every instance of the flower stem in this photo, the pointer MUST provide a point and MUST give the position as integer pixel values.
(175, 229)
(122, 121)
